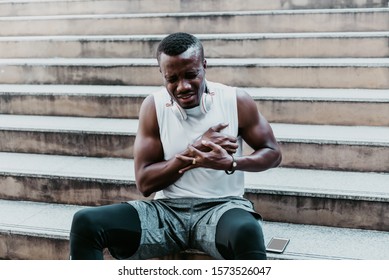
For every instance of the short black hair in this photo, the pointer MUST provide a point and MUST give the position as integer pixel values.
(177, 43)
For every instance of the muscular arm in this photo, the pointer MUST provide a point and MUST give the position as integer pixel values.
(152, 172)
(257, 133)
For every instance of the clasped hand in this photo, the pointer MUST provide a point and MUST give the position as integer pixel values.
(213, 150)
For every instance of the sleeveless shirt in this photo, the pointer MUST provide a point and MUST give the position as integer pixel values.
(176, 134)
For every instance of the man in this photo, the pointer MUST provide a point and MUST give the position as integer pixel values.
(188, 152)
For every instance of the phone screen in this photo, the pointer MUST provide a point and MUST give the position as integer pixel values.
(277, 245)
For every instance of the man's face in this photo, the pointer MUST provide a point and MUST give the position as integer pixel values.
(184, 77)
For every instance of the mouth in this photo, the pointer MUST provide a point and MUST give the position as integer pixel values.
(186, 99)
(186, 96)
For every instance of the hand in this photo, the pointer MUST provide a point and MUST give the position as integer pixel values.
(214, 135)
(215, 158)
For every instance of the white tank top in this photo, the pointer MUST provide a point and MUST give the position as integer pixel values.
(176, 134)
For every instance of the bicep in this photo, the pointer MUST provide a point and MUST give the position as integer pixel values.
(253, 126)
(147, 146)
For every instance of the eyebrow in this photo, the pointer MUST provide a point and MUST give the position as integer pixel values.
(194, 71)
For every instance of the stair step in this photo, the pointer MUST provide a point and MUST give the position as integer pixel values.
(73, 100)
(58, 7)
(281, 105)
(322, 20)
(265, 45)
(321, 197)
(281, 194)
(318, 242)
(306, 146)
(334, 147)
(362, 107)
(67, 179)
(70, 136)
(31, 231)
(28, 227)
(313, 73)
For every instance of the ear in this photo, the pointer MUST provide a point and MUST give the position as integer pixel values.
(205, 64)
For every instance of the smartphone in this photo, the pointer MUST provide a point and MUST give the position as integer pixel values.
(277, 245)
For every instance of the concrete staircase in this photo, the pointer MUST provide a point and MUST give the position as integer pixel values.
(73, 74)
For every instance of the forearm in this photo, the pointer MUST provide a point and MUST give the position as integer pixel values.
(157, 176)
(259, 160)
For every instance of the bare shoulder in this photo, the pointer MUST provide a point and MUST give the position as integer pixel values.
(247, 108)
(245, 100)
(147, 116)
(148, 103)
(242, 94)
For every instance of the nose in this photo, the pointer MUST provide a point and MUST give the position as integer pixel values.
(183, 86)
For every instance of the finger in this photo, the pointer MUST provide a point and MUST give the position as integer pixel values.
(191, 161)
(230, 146)
(232, 139)
(192, 157)
(211, 145)
(185, 158)
(219, 127)
(183, 170)
(230, 150)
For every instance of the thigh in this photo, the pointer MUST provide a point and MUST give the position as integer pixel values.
(239, 235)
(116, 227)
(204, 232)
(115, 216)
(164, 229)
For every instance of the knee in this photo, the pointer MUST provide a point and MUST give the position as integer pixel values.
(249, 242)
(83, 223)
(247, 230)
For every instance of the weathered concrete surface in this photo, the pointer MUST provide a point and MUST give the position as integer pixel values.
(63, 7)
(209, 23)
